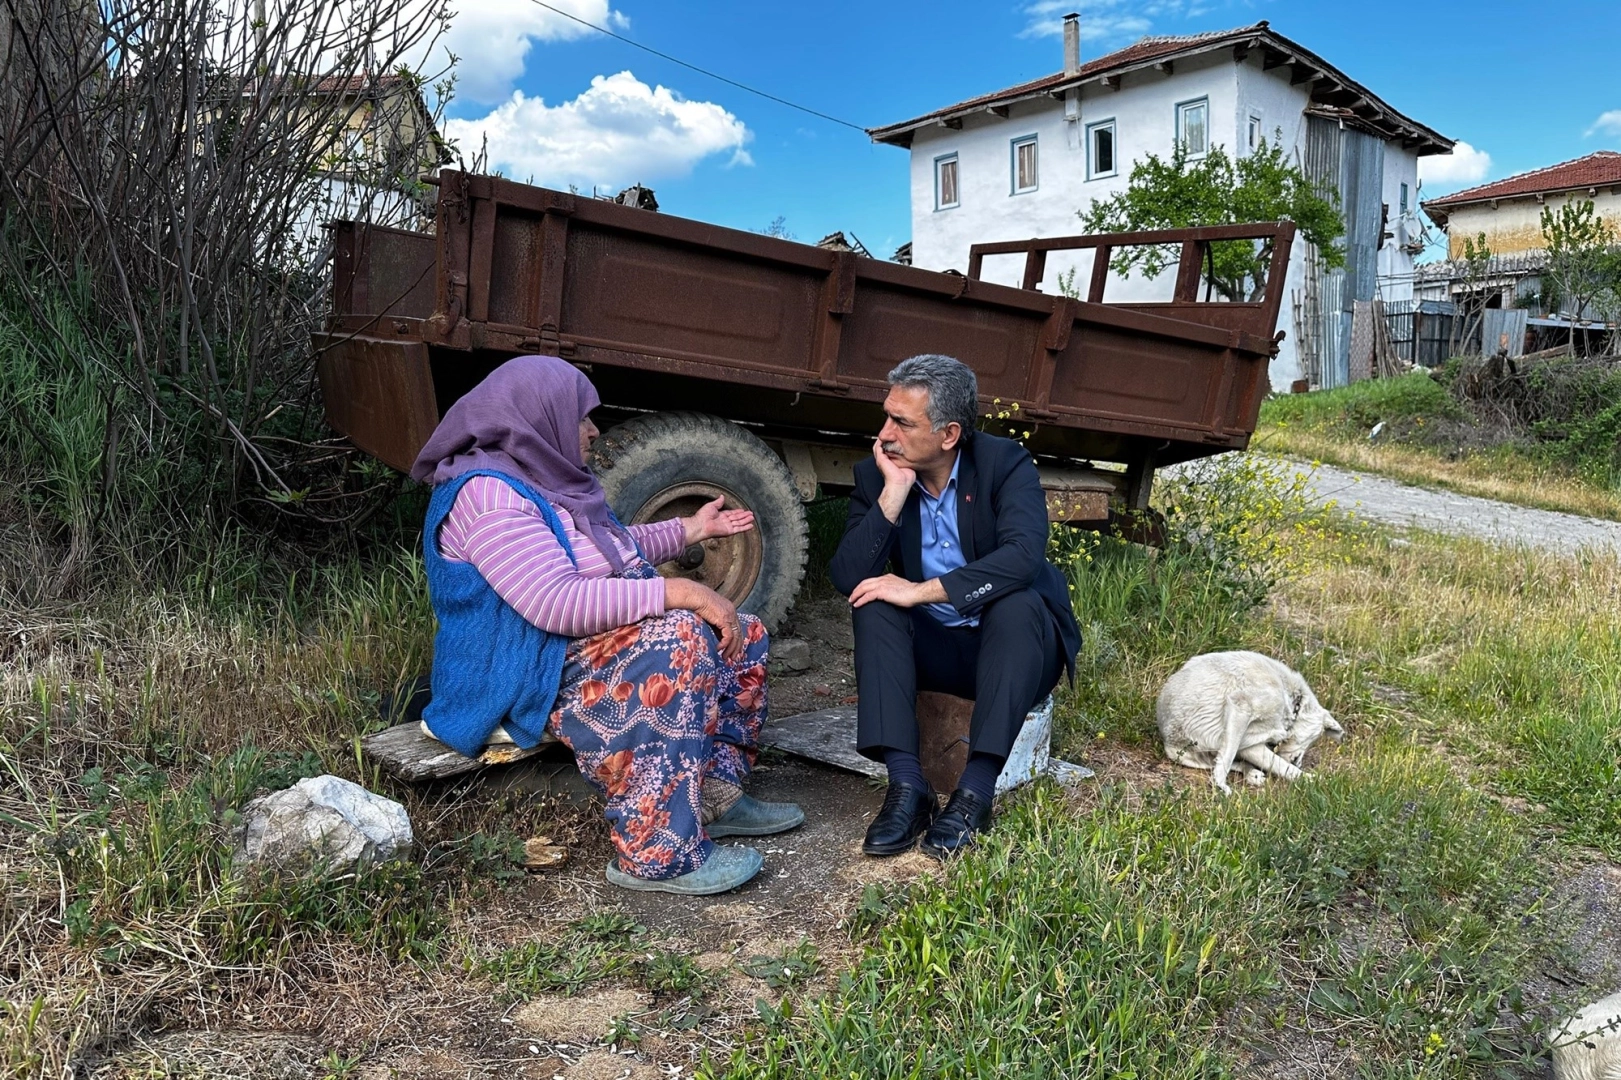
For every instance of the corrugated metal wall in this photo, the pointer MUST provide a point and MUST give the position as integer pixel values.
(1349, 164)
(1503, 327)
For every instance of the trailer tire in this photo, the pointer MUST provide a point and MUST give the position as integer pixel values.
(668, 464)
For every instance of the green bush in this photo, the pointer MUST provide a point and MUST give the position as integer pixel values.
(1358, 407)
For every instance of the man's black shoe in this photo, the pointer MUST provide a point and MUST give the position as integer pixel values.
(906, 812)
(965, 815)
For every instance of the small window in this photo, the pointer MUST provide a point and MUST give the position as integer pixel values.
(1024, 165)
(1193, 126)
(945, 182)
(1100, 149)
(1257, 132)
(1404, 199)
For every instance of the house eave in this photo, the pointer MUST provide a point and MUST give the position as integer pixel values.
(1336, 90)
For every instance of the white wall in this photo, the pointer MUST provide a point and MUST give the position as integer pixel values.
(1144, 111)
(1395, 265)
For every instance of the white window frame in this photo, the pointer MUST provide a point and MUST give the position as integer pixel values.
(1013, 176)
(956, 172)
(1182, 110)
(1256, 132)
(1405, 201)
(1092, 170)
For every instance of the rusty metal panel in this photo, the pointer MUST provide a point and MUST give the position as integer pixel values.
(764, 324)
(382, 271)
(640, 294)
(888, 325)
(378, 393)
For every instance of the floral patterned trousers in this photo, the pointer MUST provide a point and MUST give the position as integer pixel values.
(651, 710)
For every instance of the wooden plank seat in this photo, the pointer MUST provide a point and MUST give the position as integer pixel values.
(406, 750)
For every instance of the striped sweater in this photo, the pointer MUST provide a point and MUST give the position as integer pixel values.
(501, 533)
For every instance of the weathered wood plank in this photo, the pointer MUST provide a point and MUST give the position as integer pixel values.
(407, 752)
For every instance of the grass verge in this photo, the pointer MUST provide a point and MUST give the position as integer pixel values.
(1429, 440)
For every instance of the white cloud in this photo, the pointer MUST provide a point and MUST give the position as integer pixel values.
(1106, 22)
(620, 131)
(1465, 165)
(1608, 123)
(492, 38)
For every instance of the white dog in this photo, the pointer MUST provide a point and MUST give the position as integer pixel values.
(1225, 707)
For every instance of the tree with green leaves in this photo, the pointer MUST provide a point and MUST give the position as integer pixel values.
(1218, 190)
(1584, 261)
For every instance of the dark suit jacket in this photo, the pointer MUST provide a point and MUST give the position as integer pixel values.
(1001, 522)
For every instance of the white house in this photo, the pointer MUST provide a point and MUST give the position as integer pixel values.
(1023, 161)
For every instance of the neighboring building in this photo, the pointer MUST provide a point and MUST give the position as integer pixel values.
(1509, 213)
(386, 142)
(1023, 161)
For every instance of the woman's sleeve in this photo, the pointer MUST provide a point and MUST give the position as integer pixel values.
(517, 553)
(660, 541)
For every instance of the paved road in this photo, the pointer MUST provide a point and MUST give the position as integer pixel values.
(1378, 499)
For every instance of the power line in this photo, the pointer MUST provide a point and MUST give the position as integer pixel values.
(695, 67)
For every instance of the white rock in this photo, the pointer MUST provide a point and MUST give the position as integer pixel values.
(1588, 1045)
(323, 819)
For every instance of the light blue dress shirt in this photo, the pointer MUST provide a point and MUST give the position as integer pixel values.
(942, 546)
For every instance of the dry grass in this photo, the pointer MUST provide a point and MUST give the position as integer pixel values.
(1506, 477)
(1411, 641)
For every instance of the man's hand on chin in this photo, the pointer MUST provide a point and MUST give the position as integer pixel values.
(898, 591)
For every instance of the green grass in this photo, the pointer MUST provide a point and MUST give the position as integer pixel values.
(1355, 409)
(1566, 457)
(1148, 937)
(1391, 907)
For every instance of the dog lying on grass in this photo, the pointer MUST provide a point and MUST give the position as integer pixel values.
(1240, 710)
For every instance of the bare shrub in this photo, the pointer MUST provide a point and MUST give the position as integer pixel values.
(165, 166)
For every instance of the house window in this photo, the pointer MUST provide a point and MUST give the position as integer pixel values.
(1100, 149)
(1193, 126)
(1404, 200)
(1256, 132)
(1024, 164)
(945, 182)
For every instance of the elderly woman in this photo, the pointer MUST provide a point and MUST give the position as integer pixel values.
(552, 618)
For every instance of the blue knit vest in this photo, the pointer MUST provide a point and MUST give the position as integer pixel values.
(490, 664)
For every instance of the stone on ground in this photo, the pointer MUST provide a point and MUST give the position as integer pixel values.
(323, 820)
(791, 654)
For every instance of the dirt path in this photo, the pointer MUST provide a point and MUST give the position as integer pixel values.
(1392, 503)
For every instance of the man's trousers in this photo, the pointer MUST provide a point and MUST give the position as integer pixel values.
(1007, 664)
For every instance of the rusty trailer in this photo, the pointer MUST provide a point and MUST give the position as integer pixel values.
(740, 364)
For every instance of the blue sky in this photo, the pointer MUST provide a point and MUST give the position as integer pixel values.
(560, 104)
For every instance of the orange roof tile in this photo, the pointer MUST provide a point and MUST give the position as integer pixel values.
(1598, 169)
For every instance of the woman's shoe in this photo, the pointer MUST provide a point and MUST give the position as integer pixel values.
(726, 868)
(751, 817)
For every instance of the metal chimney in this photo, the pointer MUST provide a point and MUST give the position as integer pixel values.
(1072, 43)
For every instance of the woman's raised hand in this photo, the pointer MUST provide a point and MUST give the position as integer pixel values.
(712, 608)
(711, 521)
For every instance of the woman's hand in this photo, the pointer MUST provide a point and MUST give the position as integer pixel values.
(711, 521)
(712, 608)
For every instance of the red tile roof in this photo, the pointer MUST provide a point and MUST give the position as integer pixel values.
(1151, 50)
(1599, 169)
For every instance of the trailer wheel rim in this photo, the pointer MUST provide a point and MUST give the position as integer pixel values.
(731, 564)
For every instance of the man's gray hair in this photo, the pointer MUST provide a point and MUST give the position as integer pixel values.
(953, 389)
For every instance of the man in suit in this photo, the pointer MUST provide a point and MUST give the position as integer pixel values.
(944, 561)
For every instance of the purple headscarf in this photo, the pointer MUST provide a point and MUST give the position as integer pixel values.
(524, 420)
